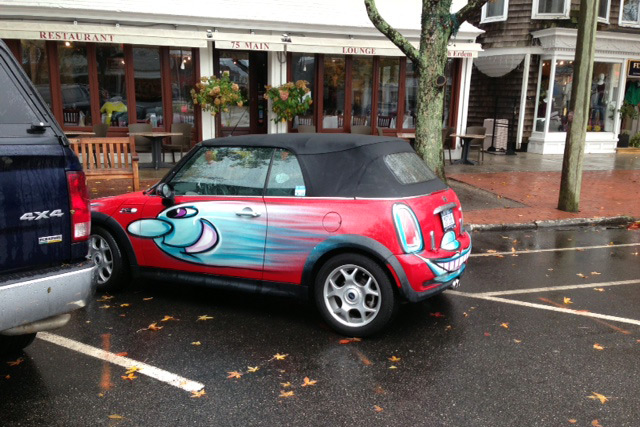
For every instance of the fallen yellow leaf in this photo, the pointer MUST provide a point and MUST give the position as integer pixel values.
(198, 394)
(595, 273)
(125, 305)
(598, 346)
(154, 327)
(116, 417)
(394, 359)
(16, 362)
(286, 393)
(287, 384)
(572, 421)
(253, 369)
(517, 341)
(596, 423)
(105, 306)
(393, 367)
(602, 398)
(132, 369)
(234, 374)
(279, 356)
(147, 299)
(129, 377)
(166, 318)
(505, 325)
(599, 289)
(491, 251)
(581, 275)
(567, 300)
(196, 343)
(308, 382)
(377, 408)
(204, 317)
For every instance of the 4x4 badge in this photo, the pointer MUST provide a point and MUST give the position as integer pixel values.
(35, 215)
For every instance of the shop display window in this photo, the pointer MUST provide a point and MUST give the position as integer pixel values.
(629, 15)
(388, 92)
(237, 64)
(182, 81)
(543, 91)
(333, 91)
(74, 83)
(411, 97)
(35, 63)
(361, 90)
(303, 67)
(148, 85)
(112, 85)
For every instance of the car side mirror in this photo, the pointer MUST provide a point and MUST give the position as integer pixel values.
(168, 196)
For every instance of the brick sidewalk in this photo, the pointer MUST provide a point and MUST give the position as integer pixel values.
(604, 194)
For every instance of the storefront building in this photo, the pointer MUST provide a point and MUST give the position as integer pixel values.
(534, 63)
(92, 65)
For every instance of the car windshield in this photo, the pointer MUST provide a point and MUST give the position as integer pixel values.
(224, 171)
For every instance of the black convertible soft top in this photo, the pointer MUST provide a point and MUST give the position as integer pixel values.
(342, 165)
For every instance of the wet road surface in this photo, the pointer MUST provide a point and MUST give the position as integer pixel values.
(534, 336)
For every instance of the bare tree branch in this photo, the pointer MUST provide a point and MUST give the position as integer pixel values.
(467, 11)
(392, 34)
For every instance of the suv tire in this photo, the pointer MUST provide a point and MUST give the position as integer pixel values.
(354, 295)
(10, 344)
(112, 272)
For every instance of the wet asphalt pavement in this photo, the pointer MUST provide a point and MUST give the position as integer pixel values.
(465, 358)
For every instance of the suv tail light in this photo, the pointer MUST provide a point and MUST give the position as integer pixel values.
(79, 203)
(408, 228)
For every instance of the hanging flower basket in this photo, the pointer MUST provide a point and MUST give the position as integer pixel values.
(217, 94)
(289, 100)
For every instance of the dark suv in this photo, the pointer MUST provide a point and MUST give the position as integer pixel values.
(44, 215)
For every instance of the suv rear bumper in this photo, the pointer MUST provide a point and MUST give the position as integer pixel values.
(36, 298)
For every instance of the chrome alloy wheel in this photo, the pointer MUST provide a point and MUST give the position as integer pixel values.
(100, 253)
(352, 295)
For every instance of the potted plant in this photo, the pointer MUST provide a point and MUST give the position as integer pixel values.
(217, 94)
(289, 100)
(628, 113)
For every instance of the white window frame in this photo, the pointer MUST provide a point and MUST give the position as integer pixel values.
(622, 23)
(563, 15)
(605, 20)
(505, 12)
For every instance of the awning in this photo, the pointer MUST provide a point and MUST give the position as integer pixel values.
(100, 34)
(336, 46)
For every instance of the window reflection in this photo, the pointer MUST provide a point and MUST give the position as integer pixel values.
(182, 80)
(541, 114)
(237, 64)
(362, 89)
(411, 98)
(148, 85)
(334, 90)
(112, 85)
(74, 81)
(35, 63)
(304, 68)
(388, 92)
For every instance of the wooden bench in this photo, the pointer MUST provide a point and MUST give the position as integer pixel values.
(108, 158)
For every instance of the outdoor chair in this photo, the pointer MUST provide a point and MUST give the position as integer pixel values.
(477, 144)
(384, 121)
(361, 130)
(101, 129)
(306, 129)
(359, 120)
(143, 144)
(179, 142)
(447, 142)
(305, 120)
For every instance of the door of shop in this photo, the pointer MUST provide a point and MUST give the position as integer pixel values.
(248, 69)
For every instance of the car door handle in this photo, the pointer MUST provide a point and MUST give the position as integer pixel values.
(248, 212)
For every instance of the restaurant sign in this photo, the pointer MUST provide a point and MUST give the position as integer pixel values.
(76, 36)
(634, 69)
(248, 45)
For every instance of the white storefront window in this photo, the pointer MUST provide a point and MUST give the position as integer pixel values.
(494, 11)
(603, 11)
(550, 9)
(629, 16)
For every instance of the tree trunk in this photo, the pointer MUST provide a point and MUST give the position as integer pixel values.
(430, 103)
(571, 181)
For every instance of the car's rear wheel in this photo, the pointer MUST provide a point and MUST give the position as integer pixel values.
(354, 295)
(111, 270)
(10, 344)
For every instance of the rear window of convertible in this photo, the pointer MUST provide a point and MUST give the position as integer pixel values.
(408, 168)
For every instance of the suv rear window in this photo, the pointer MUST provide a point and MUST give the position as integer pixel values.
(14, 108)
(408, 168)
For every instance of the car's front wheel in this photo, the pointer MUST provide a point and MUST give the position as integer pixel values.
(354, 295)
(111, 270)
(10, 344)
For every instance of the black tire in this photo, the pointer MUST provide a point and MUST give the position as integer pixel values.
(10, 344)
(112, 273)
(352, 296)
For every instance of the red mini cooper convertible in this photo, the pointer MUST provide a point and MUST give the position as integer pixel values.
(354, 222)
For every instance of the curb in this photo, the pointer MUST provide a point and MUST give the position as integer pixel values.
(554, 224)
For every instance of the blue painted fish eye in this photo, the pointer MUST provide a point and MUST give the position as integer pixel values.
(182, 213)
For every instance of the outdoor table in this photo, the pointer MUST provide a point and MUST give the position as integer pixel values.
(466, 141)
(78, 133)
(156, 147)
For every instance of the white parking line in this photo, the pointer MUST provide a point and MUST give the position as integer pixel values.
(536, 251)
(560, 288)
(547, 307)
(125, 362)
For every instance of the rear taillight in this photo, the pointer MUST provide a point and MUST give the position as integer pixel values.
(79, 204)
(408, 228)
